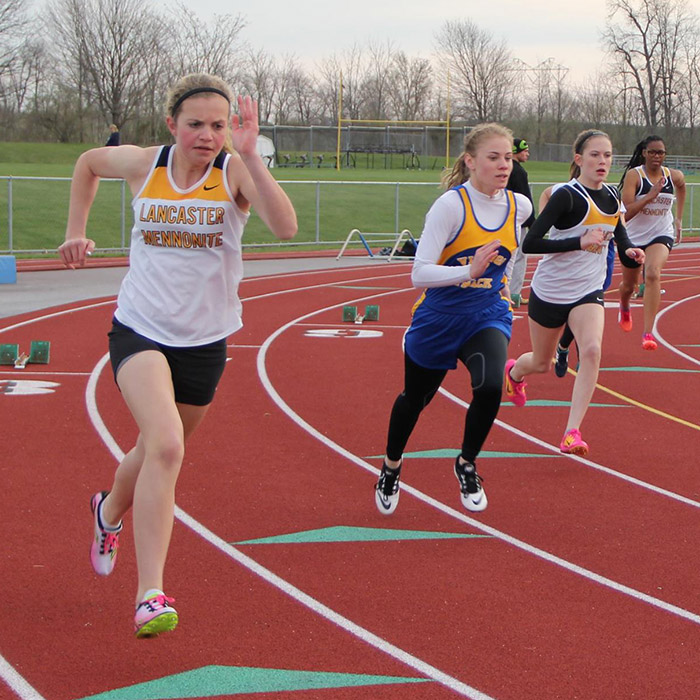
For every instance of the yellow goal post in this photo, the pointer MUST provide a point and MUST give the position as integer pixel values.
(390, 122)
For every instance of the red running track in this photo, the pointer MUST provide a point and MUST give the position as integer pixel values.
(578, 581)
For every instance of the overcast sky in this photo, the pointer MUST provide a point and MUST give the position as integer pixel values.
(535, 30)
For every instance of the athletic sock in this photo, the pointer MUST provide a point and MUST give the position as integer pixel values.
(104, 525)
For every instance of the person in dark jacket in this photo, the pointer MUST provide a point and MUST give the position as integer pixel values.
(114, 138)
(518, 182)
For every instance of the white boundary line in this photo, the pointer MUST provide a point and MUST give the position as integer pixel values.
(289, 589)
(666, 344)
(530, 549)
(25, 691)
(297, 594)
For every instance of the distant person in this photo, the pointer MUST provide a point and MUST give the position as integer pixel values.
(464, 315)
(649, 190)
(114, 137)
(176, 306)
(518, 182)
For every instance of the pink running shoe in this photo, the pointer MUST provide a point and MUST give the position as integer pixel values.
(648, 342)
(515, 391)
(624, 318)
(573, 444)
(154, 615)
(103, 551)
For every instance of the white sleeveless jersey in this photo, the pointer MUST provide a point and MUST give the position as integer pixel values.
(185, 258)
(564, 278)
(654, 219)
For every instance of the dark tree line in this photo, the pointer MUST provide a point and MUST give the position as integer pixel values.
(79, 65)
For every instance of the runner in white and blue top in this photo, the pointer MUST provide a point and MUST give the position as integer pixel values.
(649, 191)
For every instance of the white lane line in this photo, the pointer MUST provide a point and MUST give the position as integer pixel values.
(17, 683)
(55, 314)
(594, 465)
(289, 589)
(664, 342)
(535, 551)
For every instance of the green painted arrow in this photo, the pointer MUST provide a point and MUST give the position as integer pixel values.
(210, 681)
(358, 534)
(648, 369)
(551, 402)
(452, 453)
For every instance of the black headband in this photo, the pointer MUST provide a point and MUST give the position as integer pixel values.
(591, 134)
(196, 91)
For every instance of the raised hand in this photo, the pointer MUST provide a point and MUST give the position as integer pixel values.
(244, 126)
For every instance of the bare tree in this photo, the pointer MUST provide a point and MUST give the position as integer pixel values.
(481, 70)
(105, 45)
(350, 67)
(306, 108)
(22, 81)
(595, 102)
(261, 80)
(200, 46)
(411, 85)
(378, 60)
(648, 45)
(13, 25)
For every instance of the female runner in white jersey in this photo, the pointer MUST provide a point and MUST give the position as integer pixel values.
(648, 192)
(464, 315)
(567, 286)
(176, 306)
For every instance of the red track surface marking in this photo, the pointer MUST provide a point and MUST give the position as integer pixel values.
(481, 611)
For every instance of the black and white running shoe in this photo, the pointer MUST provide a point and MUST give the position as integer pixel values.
(472, 492)
(561, 364)
(386, 490)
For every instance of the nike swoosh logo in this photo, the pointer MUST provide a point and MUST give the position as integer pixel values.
(213, 187)
(384, 500)
(475, 501)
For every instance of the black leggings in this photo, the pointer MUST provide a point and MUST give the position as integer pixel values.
(567, 337)
(484, 355)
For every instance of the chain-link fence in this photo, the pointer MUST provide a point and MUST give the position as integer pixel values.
(33, 212)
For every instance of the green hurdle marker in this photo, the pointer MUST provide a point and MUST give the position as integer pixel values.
(39, 352)
(349, 313)
(372, 313)
(9, 353)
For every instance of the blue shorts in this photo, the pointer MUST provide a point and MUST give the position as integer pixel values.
(434, 338)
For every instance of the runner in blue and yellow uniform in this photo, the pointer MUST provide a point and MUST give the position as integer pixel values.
(462, 260)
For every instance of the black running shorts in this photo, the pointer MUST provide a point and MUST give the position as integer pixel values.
(556, 315)
(628, 262)
(196, 371)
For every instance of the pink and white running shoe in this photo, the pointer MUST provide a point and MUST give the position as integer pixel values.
(573, 444)
(105, 541)
(154, 615)
(515, 391)
(648, 342)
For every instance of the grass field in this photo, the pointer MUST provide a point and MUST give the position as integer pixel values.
(329, 203)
